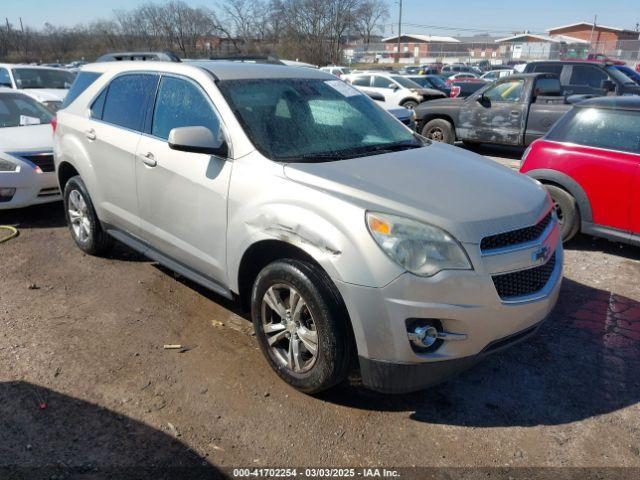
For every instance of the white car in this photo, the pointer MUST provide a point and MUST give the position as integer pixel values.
(45, 84)
(396, 89)
(463, 76)
(492, 75)
(27, 175)
(336, 70)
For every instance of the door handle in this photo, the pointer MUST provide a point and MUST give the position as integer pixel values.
(90, 134)
(149, 160)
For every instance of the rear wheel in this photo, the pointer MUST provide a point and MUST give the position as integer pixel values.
(301, 325)
(82, 219)
(566, 210)
(439, 130)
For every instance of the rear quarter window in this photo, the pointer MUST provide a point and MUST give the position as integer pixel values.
(600, 128)
(83, 81)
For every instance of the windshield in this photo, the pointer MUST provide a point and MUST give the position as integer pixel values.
(619, 76)
(18, 110)
(438, 82)
(296, 120)
(42, 78)
(405, 82)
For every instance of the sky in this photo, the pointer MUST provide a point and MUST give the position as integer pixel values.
(421, 16)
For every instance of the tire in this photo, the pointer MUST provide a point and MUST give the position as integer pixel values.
(439, 130)
(410, 104)
(566, 210)
(322, 315)
(82, 220)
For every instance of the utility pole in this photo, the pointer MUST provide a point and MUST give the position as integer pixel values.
(593, 28)
(399, 28)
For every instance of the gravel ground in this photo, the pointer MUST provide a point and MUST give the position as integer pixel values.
(85, 381)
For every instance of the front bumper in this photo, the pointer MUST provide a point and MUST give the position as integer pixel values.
(464, 302)
(32, 188)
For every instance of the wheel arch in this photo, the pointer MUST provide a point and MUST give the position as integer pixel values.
(65, 172)
(437, 116)
(565, 182)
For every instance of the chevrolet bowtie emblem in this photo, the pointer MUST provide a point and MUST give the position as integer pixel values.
(540, 255)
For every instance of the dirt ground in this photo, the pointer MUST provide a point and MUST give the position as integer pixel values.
(85, 381)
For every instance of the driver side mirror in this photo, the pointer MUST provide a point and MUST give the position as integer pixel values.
(608, 85)
(484, 101)
(197, 140)
(393, 86)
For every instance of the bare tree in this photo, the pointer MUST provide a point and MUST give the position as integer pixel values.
(368, 18)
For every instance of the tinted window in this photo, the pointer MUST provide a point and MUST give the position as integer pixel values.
(79, 85)
(547, 68)
(593, 127)
(509, 91)
(5, 80)
(127, 100)
(587, 75)
(181, 104)
(381, 82)
(362, 81)
(19, 110)
(97, 107)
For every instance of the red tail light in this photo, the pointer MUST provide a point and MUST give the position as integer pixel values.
(54, 124)
(455, 91)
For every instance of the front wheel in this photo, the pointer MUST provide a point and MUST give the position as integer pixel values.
(409, 104)
(439, 130)
(566, 210)
(301, 325)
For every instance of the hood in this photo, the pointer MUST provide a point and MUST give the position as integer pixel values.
(466, 194)
(400, 112)
(30, 138)
(440, 102)
(46, 94)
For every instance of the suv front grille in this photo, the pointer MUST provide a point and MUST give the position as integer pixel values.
(515, 237)
(524, 282)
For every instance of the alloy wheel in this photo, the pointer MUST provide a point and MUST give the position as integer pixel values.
(79, 216)
(289, 327)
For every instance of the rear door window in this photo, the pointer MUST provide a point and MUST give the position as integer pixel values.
(587, 75)
(128, 100)
(181, 103)
(5, 80)
(363, 81)
(600, 128)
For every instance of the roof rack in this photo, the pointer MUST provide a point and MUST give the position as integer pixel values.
(161, 56)
(269, 59)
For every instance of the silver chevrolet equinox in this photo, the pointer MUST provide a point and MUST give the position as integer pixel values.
(353, 241)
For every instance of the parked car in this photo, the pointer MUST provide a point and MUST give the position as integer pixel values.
(431, 81)
(396, 89)
(406, 116)
(465, 87)
(590, 164)
(459, 68)
(492, 75)
(336, 70)
(600, 57)
(164, 56)
(26, 155)
(629, 72)
(464, 76)
(347, 235)
(515, 110)
(579, 77)
(46, 85)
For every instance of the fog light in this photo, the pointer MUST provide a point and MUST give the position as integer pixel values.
(423, 337)
(7, 192)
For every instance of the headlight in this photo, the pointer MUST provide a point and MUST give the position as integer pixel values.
(417, 247)
(7, 166)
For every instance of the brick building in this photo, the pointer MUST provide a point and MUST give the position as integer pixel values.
(601, 37)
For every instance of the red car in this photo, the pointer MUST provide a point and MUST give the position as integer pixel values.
(590, 163)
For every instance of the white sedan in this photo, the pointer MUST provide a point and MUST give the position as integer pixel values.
(45, 84)
(27, 175)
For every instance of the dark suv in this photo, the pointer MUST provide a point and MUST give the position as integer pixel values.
(580, 77)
